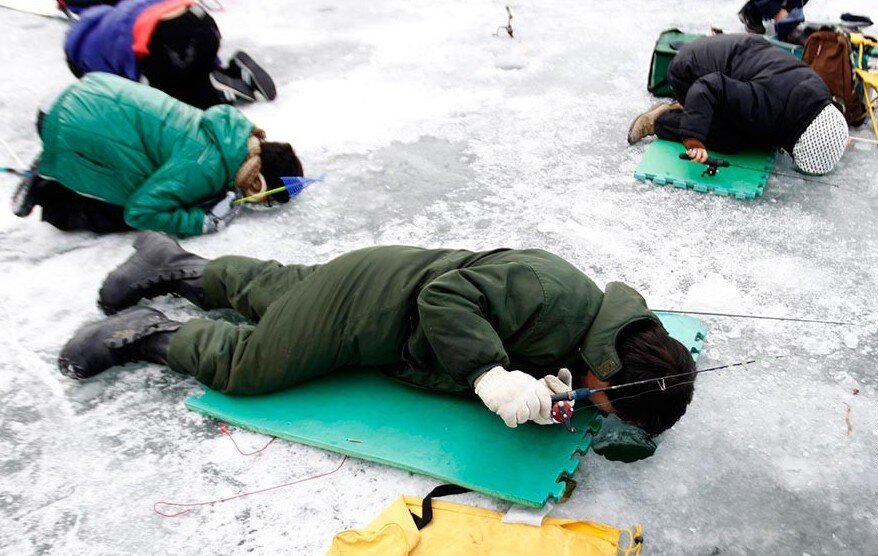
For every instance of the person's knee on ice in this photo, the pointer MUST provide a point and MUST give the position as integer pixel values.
(823, 143)
(188, 192)
(173, 44)
(715, 79)
(647, 352)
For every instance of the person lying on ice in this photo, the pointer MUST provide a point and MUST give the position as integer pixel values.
(119, 155)
(504, 325)
(171, 43)
(737, 92)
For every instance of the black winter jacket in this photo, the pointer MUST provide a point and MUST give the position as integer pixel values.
(747, 85)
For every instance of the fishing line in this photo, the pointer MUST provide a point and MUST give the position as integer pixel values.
(188, 505)
(714, 163)
(65, 18)
(761, 317)
(224, 428)
(14, 155)
(661, 379)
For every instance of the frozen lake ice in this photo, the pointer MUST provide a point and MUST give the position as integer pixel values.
(434, 132)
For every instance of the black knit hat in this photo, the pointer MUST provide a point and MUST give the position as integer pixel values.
(278, 160)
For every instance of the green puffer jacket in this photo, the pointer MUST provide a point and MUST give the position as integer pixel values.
(131, 145)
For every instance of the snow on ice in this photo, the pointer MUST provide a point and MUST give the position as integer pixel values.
(434, 132)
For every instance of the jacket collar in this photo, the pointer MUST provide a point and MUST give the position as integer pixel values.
(621, 306)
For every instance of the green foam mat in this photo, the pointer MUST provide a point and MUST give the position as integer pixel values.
(745, 179)
(364, 414)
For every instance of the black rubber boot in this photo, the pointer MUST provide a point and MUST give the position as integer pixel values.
(253, 74)
(158, 267)
(235, 90)
(136, 334)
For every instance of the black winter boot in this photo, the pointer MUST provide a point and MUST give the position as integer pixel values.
(253, 74)
(158, 267)
(235, 90)
(136, 334)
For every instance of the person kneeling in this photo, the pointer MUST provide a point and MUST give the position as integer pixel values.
(171, 43)
(118, 155)
(737, 92)
(512, 327)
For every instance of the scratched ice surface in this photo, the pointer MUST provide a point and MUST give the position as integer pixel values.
(434, 132)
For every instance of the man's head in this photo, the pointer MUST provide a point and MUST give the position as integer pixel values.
(279, 160)
(820, 147)
(648, 352)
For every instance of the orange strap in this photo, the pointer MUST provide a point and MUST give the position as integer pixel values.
(147, 21)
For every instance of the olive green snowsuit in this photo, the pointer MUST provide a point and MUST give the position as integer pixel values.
(433, 318)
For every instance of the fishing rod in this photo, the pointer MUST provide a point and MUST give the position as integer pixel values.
(863, 140)
(65, 15)
(714, 164)
(562, 404)
(20, 171)
(580, 393)
(761, 317)
(16, 171)
(293, 185)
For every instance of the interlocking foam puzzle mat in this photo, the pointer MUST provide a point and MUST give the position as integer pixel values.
(744, 179)
(364, 414)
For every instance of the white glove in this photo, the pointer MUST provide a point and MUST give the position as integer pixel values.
(515, 396)
(557, 385)
(220, 215)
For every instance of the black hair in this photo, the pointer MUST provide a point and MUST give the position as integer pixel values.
(279, 160)
(648, 351)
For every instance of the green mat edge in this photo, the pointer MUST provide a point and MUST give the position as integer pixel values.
(581, 448)
(771, 159)
(587, 431)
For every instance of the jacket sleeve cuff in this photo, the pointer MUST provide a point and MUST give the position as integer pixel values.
(692, 143)
(471, 378)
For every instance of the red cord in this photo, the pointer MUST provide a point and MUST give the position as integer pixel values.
(224, 428)
(243, 494)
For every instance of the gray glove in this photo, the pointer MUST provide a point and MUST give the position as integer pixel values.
(220, 215)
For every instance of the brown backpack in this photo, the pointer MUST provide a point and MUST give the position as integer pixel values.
(828, 53)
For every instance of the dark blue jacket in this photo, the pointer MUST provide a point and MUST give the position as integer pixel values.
(79, 6)
(102, 39)
(746, 84)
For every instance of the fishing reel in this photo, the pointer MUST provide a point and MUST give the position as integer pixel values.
(562, 413)
(712, 164)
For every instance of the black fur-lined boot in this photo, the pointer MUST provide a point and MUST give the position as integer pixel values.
(135, 334)
(159, 266)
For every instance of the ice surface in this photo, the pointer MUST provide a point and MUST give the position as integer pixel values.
(434, 132)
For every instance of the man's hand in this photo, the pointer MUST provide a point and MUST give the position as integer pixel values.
(515, 396)
(696, 150)
(697, 155)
